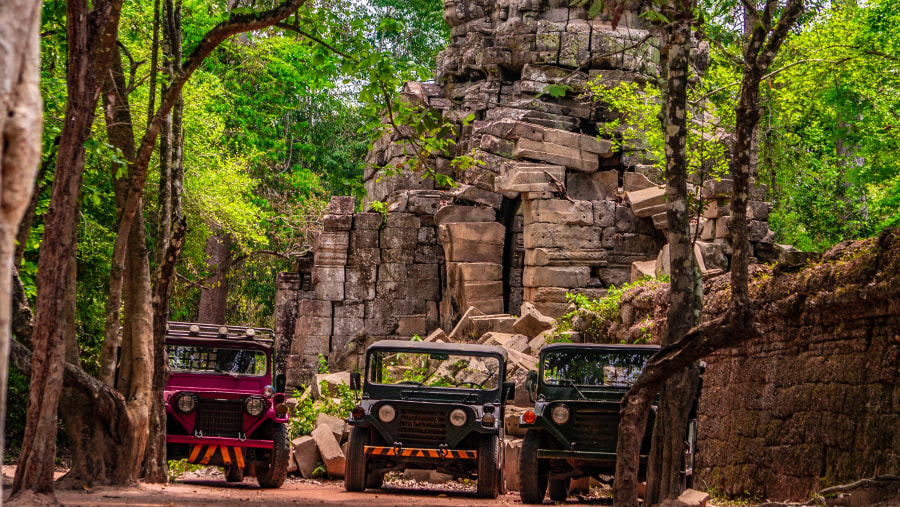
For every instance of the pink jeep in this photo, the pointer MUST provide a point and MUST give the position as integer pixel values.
(221, 406)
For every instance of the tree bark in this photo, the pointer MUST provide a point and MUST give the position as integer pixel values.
(685, 300)
(155, 456)
(214, 297)
(20, 153)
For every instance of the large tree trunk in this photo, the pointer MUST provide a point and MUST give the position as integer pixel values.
(91, 36)
(214, 297)
(20, 152)
(686, 294)
(685, 300)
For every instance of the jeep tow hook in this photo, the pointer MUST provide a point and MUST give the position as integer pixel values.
(242, 436)
(198, 433)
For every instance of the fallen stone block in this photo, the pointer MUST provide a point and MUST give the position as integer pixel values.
(636, 181)
(689, 498)
(338, 426)
(601, 185)
(497, 323)
(538, 342)
(641, 269)
(532, 323)
(457, 331)
(437, 336)
(330, 451)
(306, 454)
(516, 342)
(647, 202)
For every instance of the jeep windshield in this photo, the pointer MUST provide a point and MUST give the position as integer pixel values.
(222, 360)
(593, 367)
(434, 370)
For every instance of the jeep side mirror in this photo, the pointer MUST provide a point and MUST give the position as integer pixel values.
(280, 381)
(355, 381)
(509, 392)
(531, 385)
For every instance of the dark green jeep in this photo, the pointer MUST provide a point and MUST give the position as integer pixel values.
(433, 406)
(573, 429)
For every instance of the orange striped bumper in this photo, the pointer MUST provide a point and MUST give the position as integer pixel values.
(408, 452)
(202, 458)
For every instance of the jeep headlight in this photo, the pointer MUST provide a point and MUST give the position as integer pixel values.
(186, 403)
(386, 413)
(560, 414)
(255, 405)
(458, 417)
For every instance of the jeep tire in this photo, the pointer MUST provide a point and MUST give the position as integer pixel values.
(488, 485)
(532, 471)
(273, 474)
(234, 473)
(355, 474)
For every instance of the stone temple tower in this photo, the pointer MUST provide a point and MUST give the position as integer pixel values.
(550, 208)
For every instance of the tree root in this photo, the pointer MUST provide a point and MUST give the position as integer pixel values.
(819, 498)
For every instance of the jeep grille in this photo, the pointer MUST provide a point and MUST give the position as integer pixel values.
(422, 428)
(220, 418)
(595, 429)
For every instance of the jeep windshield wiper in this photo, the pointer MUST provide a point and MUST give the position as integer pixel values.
(570, 382)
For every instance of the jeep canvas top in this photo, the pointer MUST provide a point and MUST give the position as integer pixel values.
(222, 406)
(572, 431)
(435, 406)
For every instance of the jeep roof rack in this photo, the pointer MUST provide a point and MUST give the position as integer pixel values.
(459, 348)
(217, 332)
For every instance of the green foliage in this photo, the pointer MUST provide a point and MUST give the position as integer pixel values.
(637, 125)
(599, 312)
(303, 418)
(322, 365)
(828, 148)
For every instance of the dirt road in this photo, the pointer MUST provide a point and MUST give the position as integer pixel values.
(217, 493)
(202, 492)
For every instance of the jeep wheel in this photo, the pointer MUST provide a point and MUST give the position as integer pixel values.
(488, 467)
(273, 474)
(558, 489)
(355, 473)
(234, 473)
(532, 472)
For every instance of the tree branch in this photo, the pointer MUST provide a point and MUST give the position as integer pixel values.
(313, 38)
